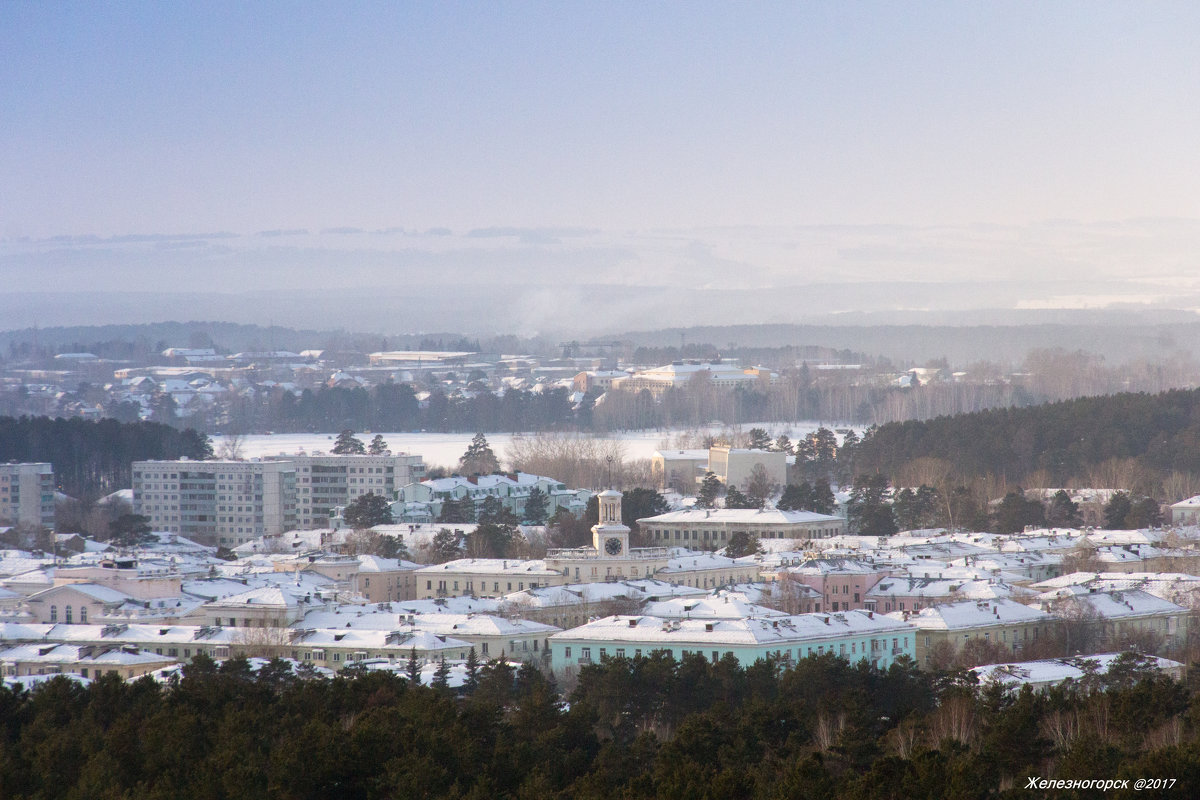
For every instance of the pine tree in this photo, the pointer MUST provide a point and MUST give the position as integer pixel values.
(367, 511)
(414, 667)
(796, 497)
(378, 447)
(447, 546)
(1116, 510)
(759, 439)
(742, 544)
(441, 675)
(735, 499)
(535, 506)
(710, 487)
(472, 671)
(823, 501)
(869, 512)
(478, 459)
(348, 445)
(783, 444)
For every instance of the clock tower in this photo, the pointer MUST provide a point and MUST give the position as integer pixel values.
(610, 536)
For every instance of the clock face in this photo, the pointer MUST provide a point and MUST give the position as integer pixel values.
(612, 546)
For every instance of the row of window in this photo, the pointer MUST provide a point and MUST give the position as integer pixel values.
(69, 619)
(877, 646)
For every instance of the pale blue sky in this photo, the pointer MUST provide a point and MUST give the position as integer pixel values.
(528, 152)
(188, 117)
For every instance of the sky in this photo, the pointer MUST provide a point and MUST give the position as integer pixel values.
(237, 147)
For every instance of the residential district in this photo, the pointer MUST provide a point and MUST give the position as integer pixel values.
(256, 558)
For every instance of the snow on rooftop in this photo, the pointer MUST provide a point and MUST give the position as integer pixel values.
(972, 614)
(753, 516)
(744, 632)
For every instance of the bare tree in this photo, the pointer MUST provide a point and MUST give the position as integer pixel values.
(260, 642)
(230, 448)
(954, 719)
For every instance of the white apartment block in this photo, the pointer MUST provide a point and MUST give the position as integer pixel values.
(327, 482)
(216, 502)
(27, 494)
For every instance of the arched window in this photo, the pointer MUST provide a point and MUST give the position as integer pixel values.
(54, 613)
(83, 614)
(69, 620)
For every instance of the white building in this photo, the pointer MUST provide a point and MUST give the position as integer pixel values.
(735, 466)
(27, 494)
(216, 502)
(713, 527)
(853, 635)
(327, 482)
(422, 502)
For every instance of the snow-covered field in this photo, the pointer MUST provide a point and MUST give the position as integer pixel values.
(445, 448)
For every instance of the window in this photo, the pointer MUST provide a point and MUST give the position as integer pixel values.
(566, 652)
(586, 652)
(69, 615)
(83, 614)
(54, 613)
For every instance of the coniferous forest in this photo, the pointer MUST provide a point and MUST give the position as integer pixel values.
(1160, 433)
(632, 728)
(94, 458)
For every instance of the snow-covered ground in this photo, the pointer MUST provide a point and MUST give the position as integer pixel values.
(445, 448)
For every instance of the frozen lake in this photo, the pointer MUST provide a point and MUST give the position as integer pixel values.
(444, 449)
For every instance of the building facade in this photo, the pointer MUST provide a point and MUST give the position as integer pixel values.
(27, 494)
(854, 636)
(325, 483)
(216, 502)
(713, 527)
(610, 558)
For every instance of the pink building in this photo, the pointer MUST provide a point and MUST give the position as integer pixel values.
(842, 583)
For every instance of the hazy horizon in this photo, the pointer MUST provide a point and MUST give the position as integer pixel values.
(535, 167)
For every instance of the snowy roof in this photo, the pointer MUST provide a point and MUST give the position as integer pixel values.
(71, 653)
(496, 566)
(101, 594)
(682, 455)
(743, 516)
(1134, 603)
(577, 593)
(378, 639)
(729, 606)
(972, 614)
(1054, 671)
(377, 564)
(833, 566)
(972, 589)
(741, 632)
(697, 560)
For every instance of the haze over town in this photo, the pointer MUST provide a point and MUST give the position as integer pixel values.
(496, 168)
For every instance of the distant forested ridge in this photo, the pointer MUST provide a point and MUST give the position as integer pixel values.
(92, 459)
(1160, 433)
(634, 728)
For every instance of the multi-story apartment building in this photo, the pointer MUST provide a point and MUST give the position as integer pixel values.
(216, 502)
(327, 482)
(27, 494)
